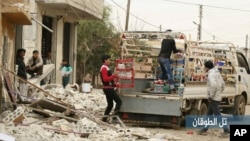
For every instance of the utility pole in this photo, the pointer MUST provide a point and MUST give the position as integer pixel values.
(200, 22)
(160, 27)
(127, 16)
(246, 49)
(1, 82)
(247, 41)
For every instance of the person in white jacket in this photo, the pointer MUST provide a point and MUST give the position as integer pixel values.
(215, 86)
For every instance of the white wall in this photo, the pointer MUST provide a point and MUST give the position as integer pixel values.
(59, 49)
(30, 34)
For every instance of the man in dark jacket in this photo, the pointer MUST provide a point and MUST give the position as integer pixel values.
(20, 62)
(109, 87)
(167, 47)
(21, 72)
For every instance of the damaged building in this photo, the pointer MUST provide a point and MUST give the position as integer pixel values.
(54, 29)
(46, 26)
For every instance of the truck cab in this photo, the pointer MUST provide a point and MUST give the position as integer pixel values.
(159, 108)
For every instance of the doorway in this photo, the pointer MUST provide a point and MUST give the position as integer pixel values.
(46, 36)
(66, 41)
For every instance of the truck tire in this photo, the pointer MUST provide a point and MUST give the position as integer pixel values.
(202, 111)
(239, 107)
(196, 112)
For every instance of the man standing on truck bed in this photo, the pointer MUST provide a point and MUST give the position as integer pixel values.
(167, 47)
(215, 86)
(109, 87)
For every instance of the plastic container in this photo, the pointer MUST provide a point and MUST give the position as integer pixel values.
(159, 88)
(166, 89)
(181, 90)
(122, 73)
(86, 87)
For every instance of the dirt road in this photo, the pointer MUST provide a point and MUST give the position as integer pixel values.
(182, 134)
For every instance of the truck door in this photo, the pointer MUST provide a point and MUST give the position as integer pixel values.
(243, 73)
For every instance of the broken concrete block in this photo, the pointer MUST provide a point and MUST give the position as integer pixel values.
(78, 106)
(16, 116)
(86, 122)
(65, 127)
(60, 122)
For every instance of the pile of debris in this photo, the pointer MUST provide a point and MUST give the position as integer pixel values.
(74, 116)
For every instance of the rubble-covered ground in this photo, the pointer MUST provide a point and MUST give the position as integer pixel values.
(57, 127)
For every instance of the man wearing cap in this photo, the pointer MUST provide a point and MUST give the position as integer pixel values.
(215, 86)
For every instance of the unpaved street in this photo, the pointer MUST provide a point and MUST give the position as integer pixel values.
(182, 134)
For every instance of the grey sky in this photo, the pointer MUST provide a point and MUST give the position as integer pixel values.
(224, 24)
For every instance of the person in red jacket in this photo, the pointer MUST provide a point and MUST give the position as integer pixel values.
(109, 87)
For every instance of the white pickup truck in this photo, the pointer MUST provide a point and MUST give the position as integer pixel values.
(170, 109)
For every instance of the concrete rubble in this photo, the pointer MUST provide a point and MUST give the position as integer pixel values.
(29, 125)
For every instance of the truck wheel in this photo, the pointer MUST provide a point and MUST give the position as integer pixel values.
(196, 112)
(239, 107)
(193, 112)
(203, 109)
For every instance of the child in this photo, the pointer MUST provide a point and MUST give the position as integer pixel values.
(66, 70)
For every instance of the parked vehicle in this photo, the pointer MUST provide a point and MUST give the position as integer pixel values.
(160, 108)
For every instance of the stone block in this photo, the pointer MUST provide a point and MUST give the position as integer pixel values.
(16, 116)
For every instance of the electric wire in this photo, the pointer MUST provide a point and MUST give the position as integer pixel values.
(211, 6)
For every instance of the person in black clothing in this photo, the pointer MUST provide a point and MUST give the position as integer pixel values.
(109, 87)
(20, 62)
(21, 72)
(167, 47)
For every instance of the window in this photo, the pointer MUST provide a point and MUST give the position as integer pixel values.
(243, 62)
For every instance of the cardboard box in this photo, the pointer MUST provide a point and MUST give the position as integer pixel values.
(150, 61)
(140, 75)
(146, 68)
(137, 67)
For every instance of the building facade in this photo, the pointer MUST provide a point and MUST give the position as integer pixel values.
(54, 29)
(13, 14)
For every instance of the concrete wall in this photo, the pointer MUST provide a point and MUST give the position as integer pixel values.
(77, 9)
(30, 33)
(7, 46)
(93, 7)
(59, 49)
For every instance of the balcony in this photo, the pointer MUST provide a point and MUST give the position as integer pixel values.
(80, 9)
(16, 11)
